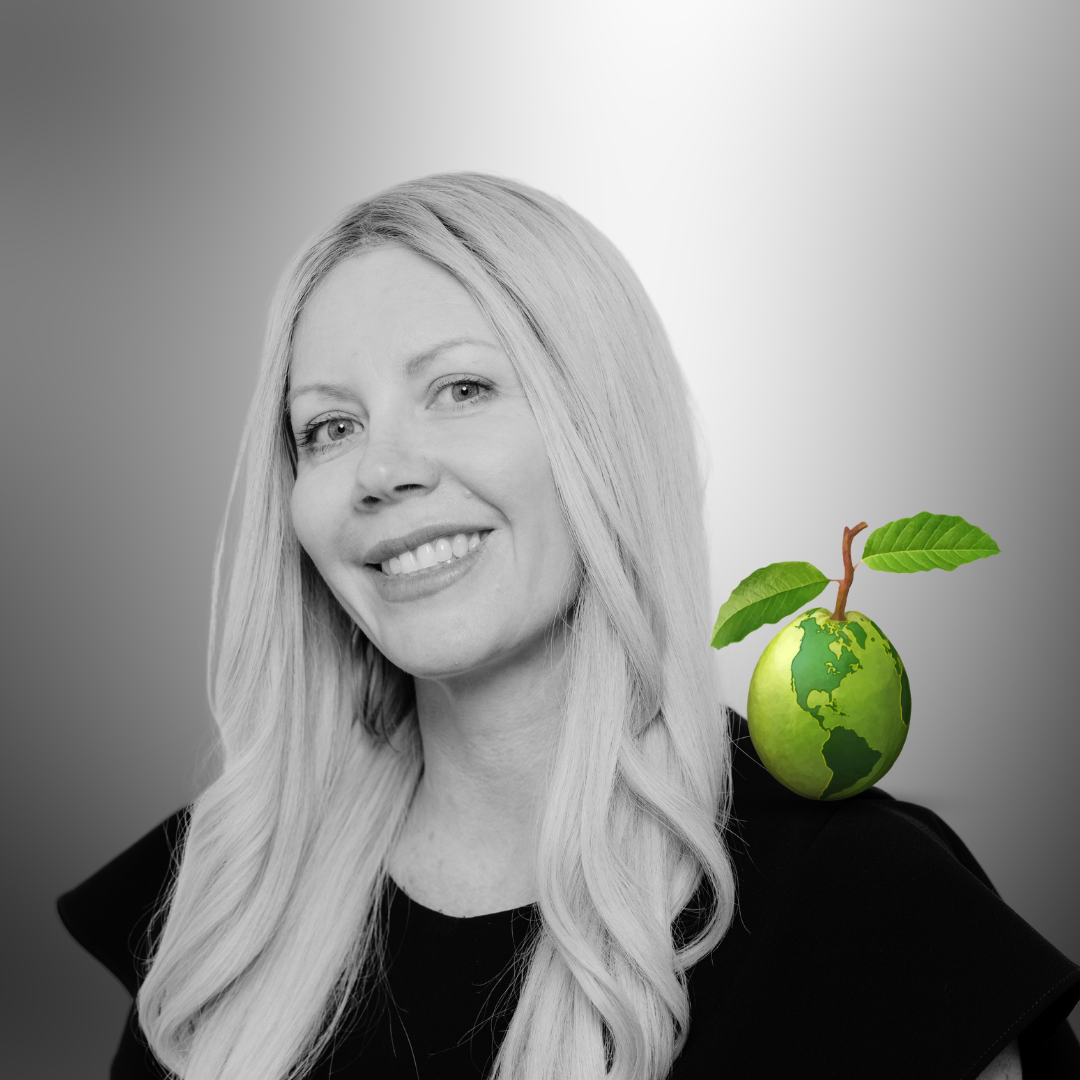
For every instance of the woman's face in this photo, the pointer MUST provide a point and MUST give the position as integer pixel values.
(412, 429)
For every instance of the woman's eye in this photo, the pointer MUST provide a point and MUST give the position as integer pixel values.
(322, 435)
(464, 391)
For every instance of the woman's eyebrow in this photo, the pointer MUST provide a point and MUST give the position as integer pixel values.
(330, 390)
(415, 364)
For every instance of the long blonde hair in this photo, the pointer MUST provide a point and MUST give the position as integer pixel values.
(273, 924)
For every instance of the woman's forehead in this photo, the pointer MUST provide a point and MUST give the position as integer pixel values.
(389, 301)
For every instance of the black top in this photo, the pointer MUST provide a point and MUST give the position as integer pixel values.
(868, 942)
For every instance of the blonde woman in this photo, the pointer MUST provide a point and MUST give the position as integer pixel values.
(480, 813)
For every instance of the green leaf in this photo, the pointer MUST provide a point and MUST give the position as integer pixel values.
(766, 596)
(926, 542)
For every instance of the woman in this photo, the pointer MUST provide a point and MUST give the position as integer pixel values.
(476, 784)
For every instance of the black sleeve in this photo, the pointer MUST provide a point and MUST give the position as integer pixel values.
(111, 915)
(970, 974)
(869, 941)
(1049, 1049)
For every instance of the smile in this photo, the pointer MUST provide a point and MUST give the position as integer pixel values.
(420, 572)
(443, 549)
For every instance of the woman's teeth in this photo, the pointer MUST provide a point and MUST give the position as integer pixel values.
(442, 550)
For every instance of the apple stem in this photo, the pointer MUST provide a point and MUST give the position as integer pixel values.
(840, 614)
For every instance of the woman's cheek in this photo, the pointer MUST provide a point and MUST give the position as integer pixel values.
(307, 517)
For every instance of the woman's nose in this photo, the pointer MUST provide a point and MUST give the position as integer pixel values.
(392, 467)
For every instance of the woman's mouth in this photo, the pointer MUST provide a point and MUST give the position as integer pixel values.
(430, 567)
(443, 549)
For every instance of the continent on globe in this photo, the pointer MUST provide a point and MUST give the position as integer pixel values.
(829, 705)
(823, 661)
(849, 756)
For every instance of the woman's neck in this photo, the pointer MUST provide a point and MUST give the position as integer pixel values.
(468, 844)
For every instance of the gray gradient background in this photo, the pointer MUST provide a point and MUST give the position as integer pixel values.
(859, 222)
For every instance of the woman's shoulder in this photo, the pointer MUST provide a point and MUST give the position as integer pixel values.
(869, 922)
(790, 832)
(111, 913)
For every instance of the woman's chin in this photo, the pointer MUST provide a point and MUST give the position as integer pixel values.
(438, 660)
(461, 659)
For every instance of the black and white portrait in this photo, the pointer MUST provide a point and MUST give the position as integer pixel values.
(392, 395)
